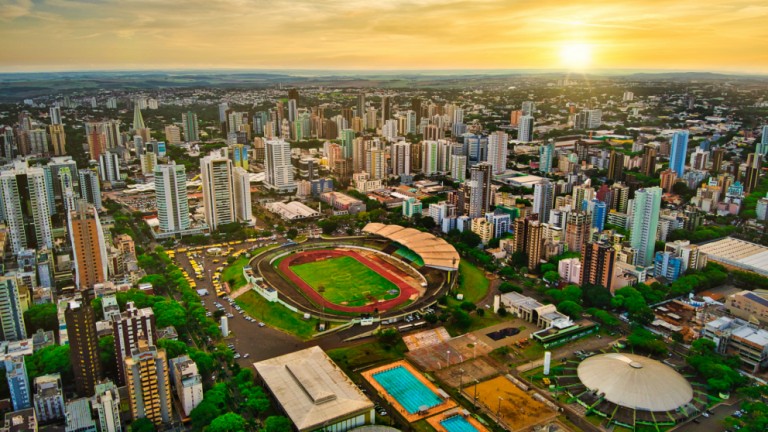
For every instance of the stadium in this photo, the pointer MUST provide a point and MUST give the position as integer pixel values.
(632, 390)
(390, 271)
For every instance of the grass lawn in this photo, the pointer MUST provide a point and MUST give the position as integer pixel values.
(234, 271)
(346, 281)
(276, 315)
(473, 284)
(367, 354)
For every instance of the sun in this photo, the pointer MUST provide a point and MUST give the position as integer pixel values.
(576, 55)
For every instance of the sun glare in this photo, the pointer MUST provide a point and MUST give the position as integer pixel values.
(576, 55)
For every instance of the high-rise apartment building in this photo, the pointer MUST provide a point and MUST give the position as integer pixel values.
(717, 159)
(26, 208)
(190, 127)
(478, 190)
(173, 135)
(401, 158)
(376, 163)
(616, 166)
(90, 188)
(127, 328)
(188, 383)
(171, 196)
(242, 195)
(106, 403)
(650, 154)
(55, 114)
(430, 159)
(578, 224)
(147, 378)
(109, 167)
(546, 154)
(49, 398)
(528, 108)
(497, 151)
(18, 382)
(588, 119)
(58, 139)
(529, 239)
(278, 166)
(543, 199)
(347, 140)
(84, 344)
(752, 174)
(458, 167)
(645, 222)
(11, 313)
(218, 190)
(525, 129)
(598, 264)
(386, 110)
(678, 152)
(88, 246)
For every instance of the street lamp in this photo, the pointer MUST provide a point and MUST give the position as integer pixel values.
(498, 409)
(474, 403)
(448, 357)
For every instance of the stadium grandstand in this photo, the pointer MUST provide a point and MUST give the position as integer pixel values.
(434, 251)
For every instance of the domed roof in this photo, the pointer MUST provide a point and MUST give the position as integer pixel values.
(635, 381)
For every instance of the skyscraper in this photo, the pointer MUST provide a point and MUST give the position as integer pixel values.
(430, 160)
(645, 222)
(146, 375)
(528, 108)
(109, 167)
(360, 104)
(278, 166)
(598, 263)
(386, 112)
(127, 329)
(88, 246)
(218, 190)
(190, 127)
(497, 151)
(347, 140)
(242, 195)
(543, 199)
(55, 114)
(599, 211)
(762, 146)
(11, 314)
(546, 153)
(678, 152)
(578, 224)
(171, 196)
(458, 167)
(717, 159)
(525, 129)
(84, 344)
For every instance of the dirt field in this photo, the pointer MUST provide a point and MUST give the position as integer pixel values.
(477, 369)
(451, 352)
(516, 408)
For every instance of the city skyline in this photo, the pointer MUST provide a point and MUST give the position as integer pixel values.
(393, 35)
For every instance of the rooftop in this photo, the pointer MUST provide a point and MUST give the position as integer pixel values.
(312, 390)
(434, 251)
(738, 253)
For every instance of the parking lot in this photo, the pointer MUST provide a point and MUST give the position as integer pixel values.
(248, 339)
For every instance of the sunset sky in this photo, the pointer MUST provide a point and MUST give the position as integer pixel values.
(726, 35)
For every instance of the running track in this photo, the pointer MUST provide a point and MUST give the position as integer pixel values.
(406, 290)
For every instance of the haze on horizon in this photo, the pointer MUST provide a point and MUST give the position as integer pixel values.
(55, 35)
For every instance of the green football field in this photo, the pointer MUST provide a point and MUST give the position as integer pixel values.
(346, 281)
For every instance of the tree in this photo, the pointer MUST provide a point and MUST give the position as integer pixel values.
(203, 414)
(462, 319)
(143, 425)
(229, 422)
(277, 424)
(173, 348)
(469, 238)
(468, 306)
(41, 316)
(388, 338)
(507, 287)
(644, 340)
(169, 313)
(596, 296)
(551, 276)
(570, 308)
(328, 226)
(107, 356)
(292, 233)
(51, 359)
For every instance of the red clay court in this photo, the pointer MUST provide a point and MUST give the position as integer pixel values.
(377, 264)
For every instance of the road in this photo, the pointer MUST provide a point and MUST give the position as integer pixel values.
(712, 424)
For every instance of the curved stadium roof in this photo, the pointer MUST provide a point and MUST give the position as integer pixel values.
(635, 381)
(435, 251)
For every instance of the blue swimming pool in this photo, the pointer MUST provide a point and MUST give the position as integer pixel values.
(409, 392)
(457, 423)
